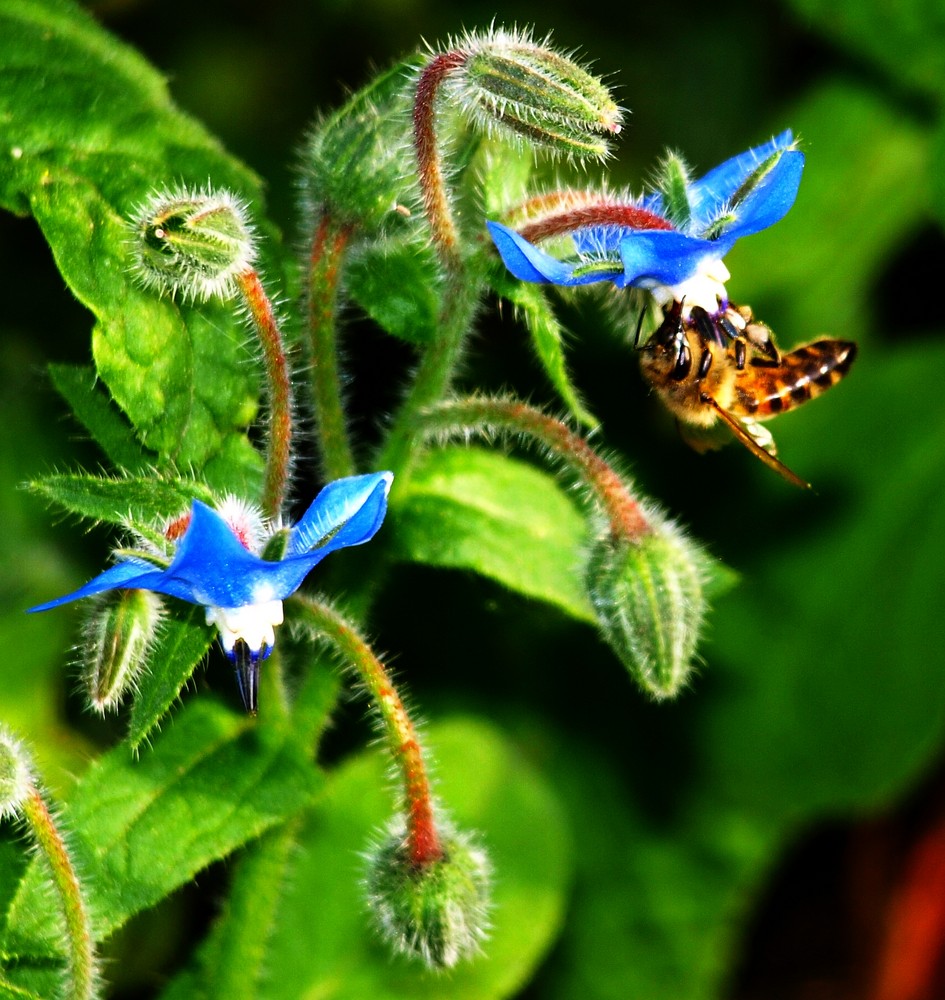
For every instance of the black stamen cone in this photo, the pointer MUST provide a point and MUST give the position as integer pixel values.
(246, 663)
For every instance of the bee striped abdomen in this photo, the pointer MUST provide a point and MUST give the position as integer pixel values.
(802, 374)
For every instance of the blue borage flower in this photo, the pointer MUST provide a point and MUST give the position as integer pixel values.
(742, 196)
(218, 563)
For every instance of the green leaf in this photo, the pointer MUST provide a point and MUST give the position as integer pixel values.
(885, 33)
(821, 696)
(141, 828)
(829, 248)
(233, 961)
(183, 642)
(142, 503)
(9, 991)
(396, 284)
(467, 508)
(535, 310)
(95, 411)
(179, 373)
(857, 691)
(322, 944)
(657, 902)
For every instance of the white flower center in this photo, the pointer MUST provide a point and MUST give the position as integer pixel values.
(706, 288)
(253, 623)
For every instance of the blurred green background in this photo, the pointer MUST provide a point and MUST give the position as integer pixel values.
(764, 835)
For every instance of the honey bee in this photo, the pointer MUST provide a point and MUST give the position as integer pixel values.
(727, 367)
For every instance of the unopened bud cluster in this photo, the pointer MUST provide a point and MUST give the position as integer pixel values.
(649, 600)
(511, 83)
(192, 244)
(118, 634)
(437, 911)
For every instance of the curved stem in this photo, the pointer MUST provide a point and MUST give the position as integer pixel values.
(435, 195)
(432, 377)
(326, 255)
(84, 979)
(279, 439)
(400, 735)
(461, 292)
(487, 416)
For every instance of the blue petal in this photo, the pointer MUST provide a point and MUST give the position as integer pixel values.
(346, 512)
(666, 257)
(212, 567)
(528, 263)
(599, 241)
(771, 200)
(713, 191)
(130, 574)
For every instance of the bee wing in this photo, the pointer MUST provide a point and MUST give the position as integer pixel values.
(744, 435)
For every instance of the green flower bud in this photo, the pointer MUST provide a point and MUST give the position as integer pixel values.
(437, 912)
(192, 243)
(648, 595)
(118, 634)
(16, 775)
(672, 182)
(512, 84)
(357, 164)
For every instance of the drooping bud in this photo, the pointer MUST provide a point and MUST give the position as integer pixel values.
(356, 164)
(117, 638)
(648, 595)
(510, 83)
(438, 911)
(195, 244)
(16, 775)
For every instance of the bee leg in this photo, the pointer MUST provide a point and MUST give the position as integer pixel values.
(759, 336)
(704, 325)
(741, 354)
(705, 363)
(749, 438)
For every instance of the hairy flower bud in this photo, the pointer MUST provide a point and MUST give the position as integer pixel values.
(672, 182)
(16, 775)
(648, 595)
(437, 911)
(356, 164)
(511, 83)
(192, 243)
(118, 635)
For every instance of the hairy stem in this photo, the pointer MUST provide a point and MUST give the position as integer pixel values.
(279, 437)
(433, 375)
(82, 967)
(488, 416)
(436, 199)
(326, 255)
(399, 733)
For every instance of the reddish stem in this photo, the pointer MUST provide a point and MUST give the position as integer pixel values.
(485, 415)
(279, 443)
(325, 258)
(69, 892)
(432, 183)
(423, 840)
(602, 214)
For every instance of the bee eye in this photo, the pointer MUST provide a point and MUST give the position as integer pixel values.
(683, 363)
